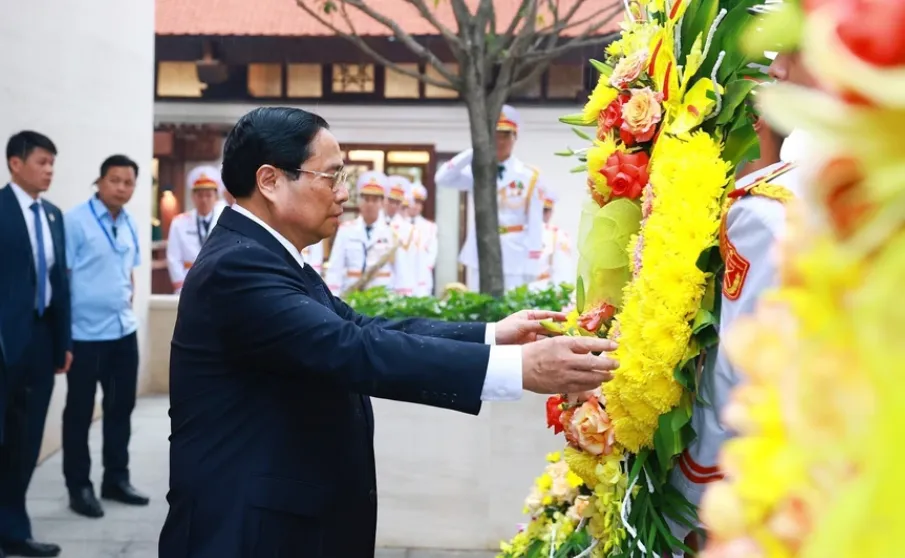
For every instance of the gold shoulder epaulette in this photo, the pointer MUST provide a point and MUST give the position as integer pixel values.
(765, 187)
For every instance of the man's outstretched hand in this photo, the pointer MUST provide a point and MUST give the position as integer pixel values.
(525, 326)
(567, 364)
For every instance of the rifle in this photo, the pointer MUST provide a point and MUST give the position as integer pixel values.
(369, 273)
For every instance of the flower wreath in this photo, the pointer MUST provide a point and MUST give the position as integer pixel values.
(814, 471)
(671, 124)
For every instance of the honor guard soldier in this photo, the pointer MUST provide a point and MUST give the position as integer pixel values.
(520, 206)
(189, 230)
(428, 242)
(399, 189)
(314, 256)
(364, 253)
(754, 219)
(556, 262)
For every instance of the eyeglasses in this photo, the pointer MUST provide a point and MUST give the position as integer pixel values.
(339, 178)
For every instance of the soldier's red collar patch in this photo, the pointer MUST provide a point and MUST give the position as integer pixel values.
(736, 270)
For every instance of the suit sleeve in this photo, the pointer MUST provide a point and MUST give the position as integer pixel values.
(472, 332)
(175, 259)
(62, 300)
(273, 323)
(337, 268)
(456, 173)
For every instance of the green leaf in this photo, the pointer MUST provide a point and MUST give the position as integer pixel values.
(737, 92)
(664, 533)
(701, 320)
(579, 169)
(742, 139)
(579, 294)
(564, 153)
(582, 134)
(640, 460)
(604, 69)
(698, 18)
(668, 441)
(535, 550)
(577, 119)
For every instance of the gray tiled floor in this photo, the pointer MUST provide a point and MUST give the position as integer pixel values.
(127, 532)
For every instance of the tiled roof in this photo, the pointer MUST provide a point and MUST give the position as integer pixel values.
(285, 18)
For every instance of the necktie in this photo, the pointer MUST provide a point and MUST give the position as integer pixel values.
(42, 259)
(368, 231)
(500, 171)
(207, 229)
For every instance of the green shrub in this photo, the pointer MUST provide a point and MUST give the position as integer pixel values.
(458, 306)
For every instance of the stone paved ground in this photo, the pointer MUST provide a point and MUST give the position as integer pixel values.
(127, 532)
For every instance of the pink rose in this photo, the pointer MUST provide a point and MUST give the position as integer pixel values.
(641, 114)
(628, 69)
(592, 429)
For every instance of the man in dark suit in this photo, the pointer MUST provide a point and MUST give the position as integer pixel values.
(271, 452)
(35, 326)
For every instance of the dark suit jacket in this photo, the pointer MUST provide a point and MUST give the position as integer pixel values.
(271, 452)
(18, 285)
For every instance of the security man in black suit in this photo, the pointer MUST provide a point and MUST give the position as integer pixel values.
(34, 324)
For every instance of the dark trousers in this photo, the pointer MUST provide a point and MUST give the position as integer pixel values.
(115, 365)
(30, 385)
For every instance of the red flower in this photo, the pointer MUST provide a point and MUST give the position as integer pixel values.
(554, 413)
(611, 117)
(595, 317)
(626, 173)
(873, 30)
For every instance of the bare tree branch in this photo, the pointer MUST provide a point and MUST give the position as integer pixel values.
(567, 23)
(404, 37)
(455, 44)
(517, 48)
(517, 18)
(463, 18)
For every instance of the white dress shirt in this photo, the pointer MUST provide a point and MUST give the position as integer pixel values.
(503, 381)
(25, 202)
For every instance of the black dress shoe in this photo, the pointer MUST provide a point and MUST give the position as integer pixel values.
(125, 493)
(84, 502)
(30, 548)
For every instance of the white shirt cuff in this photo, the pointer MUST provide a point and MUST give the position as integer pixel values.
(503, 381)
(490, 334)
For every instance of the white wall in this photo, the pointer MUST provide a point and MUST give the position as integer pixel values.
(447, 480)
(446, 127)
(83, 74)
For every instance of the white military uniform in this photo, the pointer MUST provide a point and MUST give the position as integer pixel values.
(753, 223)
(358, 247)
(188, 230)
(557, 264)
(314, 256)
(399, 189)
(520, 207)
(427, 247)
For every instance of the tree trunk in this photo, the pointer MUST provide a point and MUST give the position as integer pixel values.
(482, 120)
